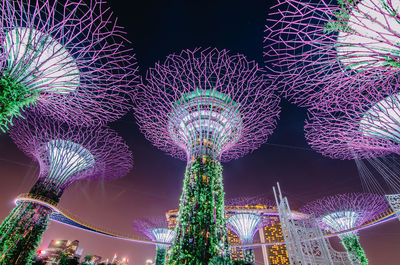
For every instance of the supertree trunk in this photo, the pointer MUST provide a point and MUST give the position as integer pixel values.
(161, 252)
(201, 229)
(248, 256)
(21, 233)
(354, 249)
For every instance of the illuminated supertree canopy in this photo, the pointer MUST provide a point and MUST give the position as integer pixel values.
(65, 153)
(205, 106)
(245, 225)
(315, 45)
(69, 59)
(156, 229)
(245, 217)
(367, 127)
(342, 212)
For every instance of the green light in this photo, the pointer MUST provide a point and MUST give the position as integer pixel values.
(14, 97)
(354, 249)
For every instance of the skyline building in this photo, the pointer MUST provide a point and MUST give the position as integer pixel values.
(149, 262)
(54, 250)
(58, 247)
(119, 260)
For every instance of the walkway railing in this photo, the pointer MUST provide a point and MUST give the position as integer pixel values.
(381, 218)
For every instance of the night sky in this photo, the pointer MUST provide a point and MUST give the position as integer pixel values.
(156, 29)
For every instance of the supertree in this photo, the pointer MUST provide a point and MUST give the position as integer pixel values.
(67, 58)
(65, 154)
(343, 212)
(317, 48)
(250, 202)
(245, 219)
(341, 59)
(156, 229)
(364, 126)
(205, 106)
(367, 127)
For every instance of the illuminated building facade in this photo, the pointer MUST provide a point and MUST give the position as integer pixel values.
(73, 249)
(58, 247)
(271, 232)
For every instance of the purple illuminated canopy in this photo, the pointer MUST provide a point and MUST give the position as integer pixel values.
(67, 153)
(250, 201)
(346, 211)
(364, 124)
(207, 99)
(70, 56)
(317, 48)
(154, 228)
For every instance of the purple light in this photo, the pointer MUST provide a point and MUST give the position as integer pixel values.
(67, 153)
(322, 51)
(155, 229)
(346, 211)
(71, 56)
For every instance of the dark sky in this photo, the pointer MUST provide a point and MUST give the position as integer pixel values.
(158, 28)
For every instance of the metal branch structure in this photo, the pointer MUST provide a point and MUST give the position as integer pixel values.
(246, 216)
(364, 125)
(156, 229)
(65, 154)
(345, 211)
(205, 106)
(316, 48)
(368, 126)
(305, 240)
(68, 58)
